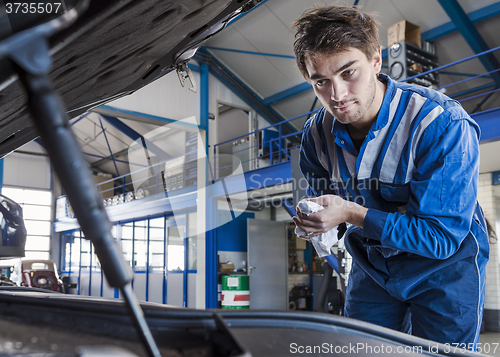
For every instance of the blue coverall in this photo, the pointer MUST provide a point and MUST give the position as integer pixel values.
(424, 247)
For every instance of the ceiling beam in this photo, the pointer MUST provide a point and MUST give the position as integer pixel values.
(132, 134)
(109, 147)
(472, 90)
(105, 159)
(122, 127)
(482, 14)
(488, 122)
(287, 93)
(145, 118)
(472, 36)
(481, 103)
(463, 74)
(481, 95)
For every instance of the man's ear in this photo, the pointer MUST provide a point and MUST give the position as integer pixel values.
(377, 60)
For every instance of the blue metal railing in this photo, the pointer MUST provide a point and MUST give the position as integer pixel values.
(277, 150)
(473, 77)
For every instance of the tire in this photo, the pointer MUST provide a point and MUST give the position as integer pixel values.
(43, 281)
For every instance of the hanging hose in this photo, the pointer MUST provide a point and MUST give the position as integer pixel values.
(321, 300)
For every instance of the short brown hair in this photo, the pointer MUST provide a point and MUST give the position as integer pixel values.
(333, 29)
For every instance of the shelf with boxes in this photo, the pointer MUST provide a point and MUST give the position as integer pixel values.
(296, 259)
(408, 56)
(301, 261)
(407, 60)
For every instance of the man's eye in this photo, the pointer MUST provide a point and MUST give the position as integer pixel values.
(348, 73)
(321, 82)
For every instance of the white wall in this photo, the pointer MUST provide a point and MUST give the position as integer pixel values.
(281, 213)
(28, 171)
(487, 200)
(219, 93)
(263, 123)
(165, 98)
(489, 161)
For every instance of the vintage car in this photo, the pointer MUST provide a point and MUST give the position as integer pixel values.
(37, 273)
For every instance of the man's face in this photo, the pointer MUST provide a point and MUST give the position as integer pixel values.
(346, 84)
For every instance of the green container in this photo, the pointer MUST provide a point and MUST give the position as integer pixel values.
(235, 292)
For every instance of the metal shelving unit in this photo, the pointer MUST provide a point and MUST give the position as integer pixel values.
(407, 60)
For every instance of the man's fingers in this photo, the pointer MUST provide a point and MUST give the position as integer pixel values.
(300, 214)
(309, 236)
(315, 217)
(308, 227)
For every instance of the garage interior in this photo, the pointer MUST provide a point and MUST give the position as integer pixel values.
(151, 153)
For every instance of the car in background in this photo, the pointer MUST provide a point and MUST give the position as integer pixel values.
(4, 281)
(37, 273)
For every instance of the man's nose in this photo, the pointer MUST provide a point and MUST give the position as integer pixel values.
(339, 91)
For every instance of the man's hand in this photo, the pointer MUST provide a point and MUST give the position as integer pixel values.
(336, 210)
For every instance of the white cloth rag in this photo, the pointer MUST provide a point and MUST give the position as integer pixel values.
(323, 242)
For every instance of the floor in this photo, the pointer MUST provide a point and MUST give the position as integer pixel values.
(490, 343)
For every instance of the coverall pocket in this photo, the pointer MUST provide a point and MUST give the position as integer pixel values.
(456, 182)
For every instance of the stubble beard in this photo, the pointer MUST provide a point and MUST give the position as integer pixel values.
(347, 118)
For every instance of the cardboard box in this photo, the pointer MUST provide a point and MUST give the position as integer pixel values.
(416, 67)
(300, 243)
(226, 267)
(403, 31)
(106, 190)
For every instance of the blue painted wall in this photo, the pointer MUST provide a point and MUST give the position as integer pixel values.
(232, 236)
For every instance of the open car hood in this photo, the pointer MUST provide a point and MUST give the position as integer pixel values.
(114, 48)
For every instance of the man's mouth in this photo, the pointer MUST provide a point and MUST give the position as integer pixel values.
(344, 106)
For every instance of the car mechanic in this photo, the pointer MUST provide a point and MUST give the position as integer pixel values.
(399, 163)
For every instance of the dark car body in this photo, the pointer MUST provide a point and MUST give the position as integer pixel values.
(58, 324)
